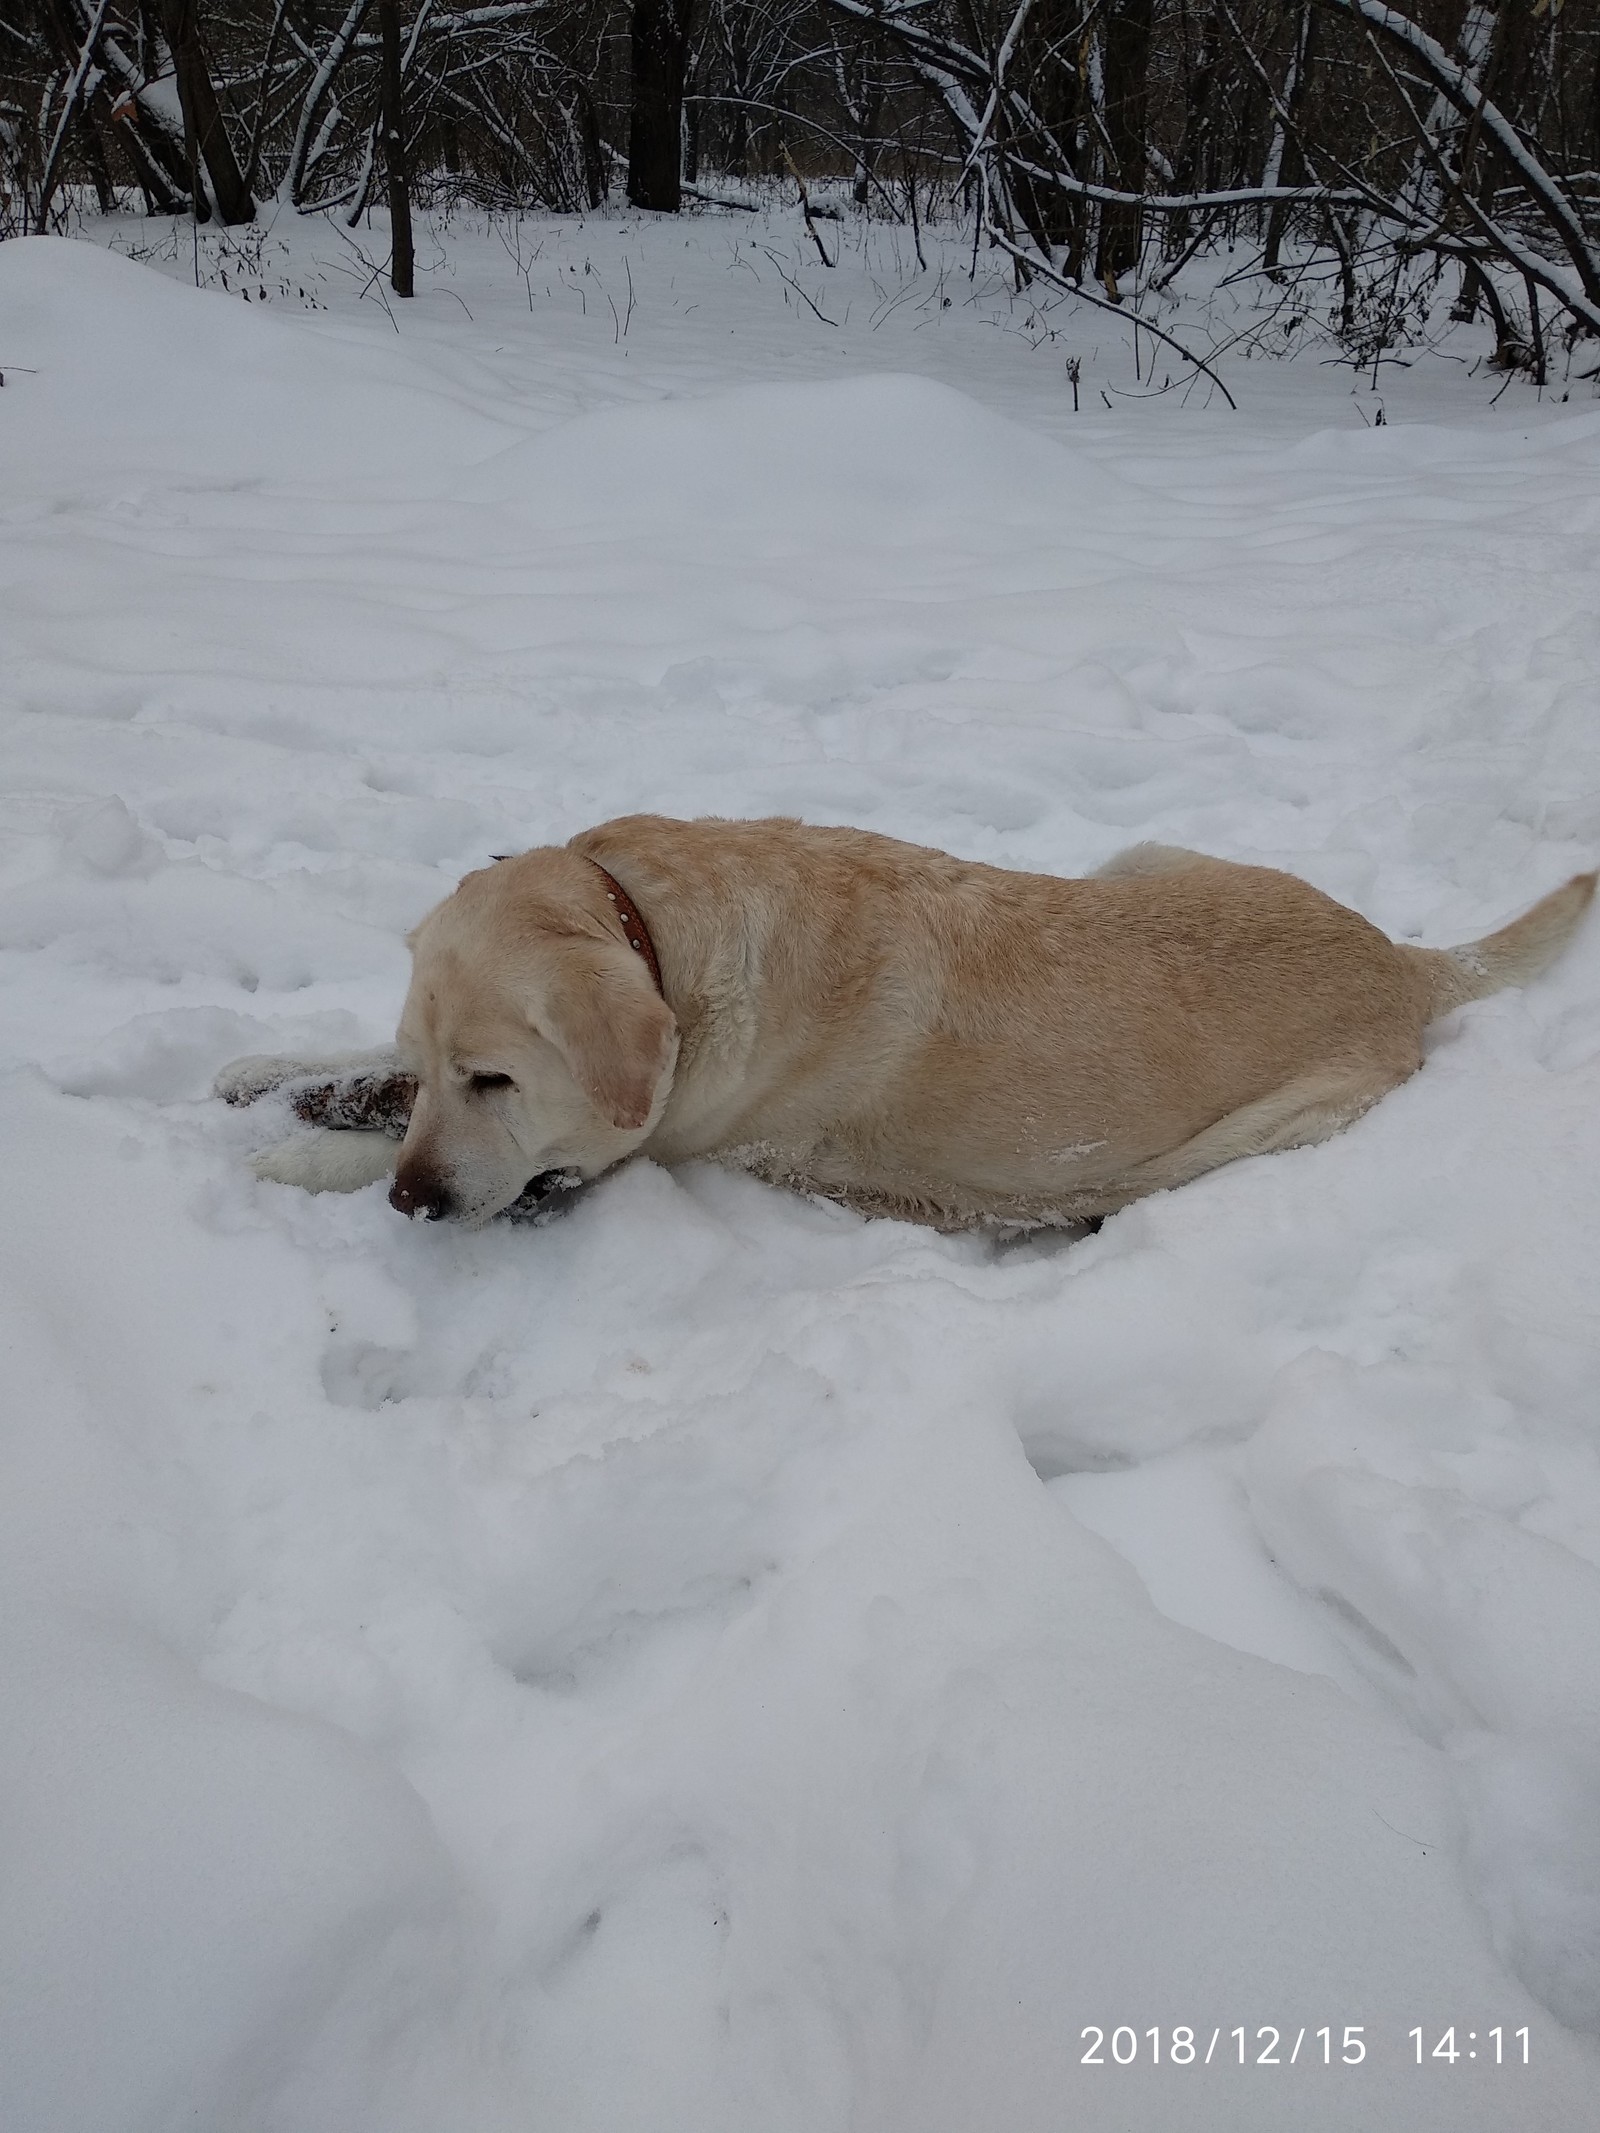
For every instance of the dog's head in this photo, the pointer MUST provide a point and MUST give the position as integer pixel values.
(536, 1034)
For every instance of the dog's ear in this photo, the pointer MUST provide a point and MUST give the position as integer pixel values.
(617, 1035)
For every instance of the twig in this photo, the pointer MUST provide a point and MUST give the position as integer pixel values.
(805, 209)
(1036, 265)
(783, 275)
(916, 227)
(744, 207)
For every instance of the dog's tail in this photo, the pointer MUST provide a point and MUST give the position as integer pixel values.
(1512, 956)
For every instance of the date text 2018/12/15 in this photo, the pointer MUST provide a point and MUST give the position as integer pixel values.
(1187, 2047)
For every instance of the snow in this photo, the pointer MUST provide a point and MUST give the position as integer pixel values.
(711, 1662)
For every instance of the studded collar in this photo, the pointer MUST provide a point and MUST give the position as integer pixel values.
(635, 931)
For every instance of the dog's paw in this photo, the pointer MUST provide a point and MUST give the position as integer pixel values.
(374, 1073)
(552, 1192)
(327, 1161)
(357, 1103)
(247, 1079)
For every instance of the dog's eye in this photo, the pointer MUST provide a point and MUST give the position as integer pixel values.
(479, 1082)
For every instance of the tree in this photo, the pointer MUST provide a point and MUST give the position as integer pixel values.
(1127, 66)
(394, 152)
(659, 37)
(205, 135)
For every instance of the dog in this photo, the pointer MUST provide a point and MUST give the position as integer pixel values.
(911, 1034)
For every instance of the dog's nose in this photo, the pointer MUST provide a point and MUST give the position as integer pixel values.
(420, 1196)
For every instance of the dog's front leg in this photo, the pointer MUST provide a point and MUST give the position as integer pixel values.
(364, 1092)
(359, 1105)
(343, 1160)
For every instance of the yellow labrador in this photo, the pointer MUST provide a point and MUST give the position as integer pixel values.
(849, 1015)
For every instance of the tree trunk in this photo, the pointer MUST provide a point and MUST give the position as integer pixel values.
(736, 115)
(868, 117)
(1054, 88)
(594, 157)
(1127, 65)
(660, 34)
(158, 173)
(202, 114)
(691, 141)
(1192, 168)
(392, 92)
(1285, 159)
(94, 153)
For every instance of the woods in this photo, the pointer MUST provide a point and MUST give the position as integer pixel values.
(1379, 159)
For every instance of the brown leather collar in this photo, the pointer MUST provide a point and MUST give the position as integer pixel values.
(635, 930)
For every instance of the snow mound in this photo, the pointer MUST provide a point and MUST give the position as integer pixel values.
(797, 469)
(117, 368)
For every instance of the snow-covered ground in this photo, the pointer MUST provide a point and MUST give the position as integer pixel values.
(712, 1663)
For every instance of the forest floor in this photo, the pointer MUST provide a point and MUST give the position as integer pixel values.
(711, 1662)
